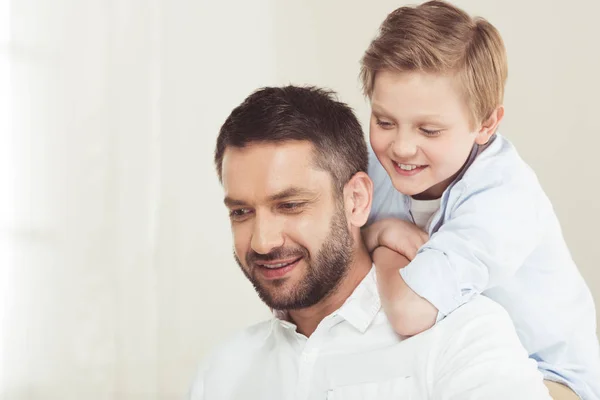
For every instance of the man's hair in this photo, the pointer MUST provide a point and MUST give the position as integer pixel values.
(437, 37)
(292, 113)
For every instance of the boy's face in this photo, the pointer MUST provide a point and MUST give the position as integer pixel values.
(420, 130)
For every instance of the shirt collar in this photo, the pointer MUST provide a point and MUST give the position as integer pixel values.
(359, 310)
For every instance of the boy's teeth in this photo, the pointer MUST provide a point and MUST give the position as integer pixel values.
(406, 167)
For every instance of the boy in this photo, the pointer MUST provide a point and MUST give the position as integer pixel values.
(435, 78)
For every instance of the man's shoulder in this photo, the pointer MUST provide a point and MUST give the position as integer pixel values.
(243, 341)
(230, 359)
(479, 323)
(480, 309)
(478, 306)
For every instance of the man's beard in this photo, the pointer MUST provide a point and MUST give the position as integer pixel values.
(321, 277)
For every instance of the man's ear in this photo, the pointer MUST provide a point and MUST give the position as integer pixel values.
(489, 126)
(358, 196)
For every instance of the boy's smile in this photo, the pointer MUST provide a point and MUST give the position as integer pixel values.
(421, 130)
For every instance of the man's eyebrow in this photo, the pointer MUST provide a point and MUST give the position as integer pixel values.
(284, 194)
(229, 202)
(291, 192)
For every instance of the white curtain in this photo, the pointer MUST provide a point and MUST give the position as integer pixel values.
(111, 212)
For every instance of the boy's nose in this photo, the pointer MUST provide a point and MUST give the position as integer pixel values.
(404, 147)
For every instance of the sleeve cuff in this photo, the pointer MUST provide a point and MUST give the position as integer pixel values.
(431, 277)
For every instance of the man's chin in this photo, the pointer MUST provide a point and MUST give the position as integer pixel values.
(288, 300)
(277, 294)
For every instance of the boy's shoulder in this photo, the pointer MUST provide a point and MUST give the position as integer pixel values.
(499, 164)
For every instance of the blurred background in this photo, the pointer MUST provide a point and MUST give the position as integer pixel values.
(116, 268)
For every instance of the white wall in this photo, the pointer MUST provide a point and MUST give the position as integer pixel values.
(114, 239)
(116, 266)
(214, 56)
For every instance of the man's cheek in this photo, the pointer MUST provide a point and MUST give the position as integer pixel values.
(310, 232)
(241, 244)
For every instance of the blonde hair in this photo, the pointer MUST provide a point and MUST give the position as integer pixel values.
(437, 37)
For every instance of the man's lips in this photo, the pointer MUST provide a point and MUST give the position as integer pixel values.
(277, 269)
(277, 263)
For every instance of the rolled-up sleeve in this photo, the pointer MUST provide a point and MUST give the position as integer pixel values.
(487, 237)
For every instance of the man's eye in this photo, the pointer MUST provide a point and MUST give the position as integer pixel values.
(239, 213)
(291, 206)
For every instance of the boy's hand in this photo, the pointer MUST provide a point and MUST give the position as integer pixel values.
(401, 236)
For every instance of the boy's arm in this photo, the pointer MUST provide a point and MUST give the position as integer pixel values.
(401, 236)
(408, 313)
(488, 236)
(488, 233)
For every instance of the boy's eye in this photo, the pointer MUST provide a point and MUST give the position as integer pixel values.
(384, 124)
(430, 132)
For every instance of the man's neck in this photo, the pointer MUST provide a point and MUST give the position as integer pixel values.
(307, 319)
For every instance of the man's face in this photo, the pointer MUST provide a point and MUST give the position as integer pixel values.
(291, 237)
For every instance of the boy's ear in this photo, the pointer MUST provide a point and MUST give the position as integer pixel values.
(489, 126)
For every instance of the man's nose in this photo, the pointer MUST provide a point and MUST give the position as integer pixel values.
(267, 234)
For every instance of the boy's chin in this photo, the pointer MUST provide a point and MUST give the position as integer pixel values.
(409, 190)
(420, 192)
(409, 185)
(421, 187)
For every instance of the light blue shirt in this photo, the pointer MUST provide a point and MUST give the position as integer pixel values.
(496, 233)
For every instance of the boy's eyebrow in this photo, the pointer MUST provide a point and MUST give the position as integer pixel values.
(378, 108)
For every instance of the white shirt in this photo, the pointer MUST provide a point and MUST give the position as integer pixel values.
(474, 353)
(423, 211)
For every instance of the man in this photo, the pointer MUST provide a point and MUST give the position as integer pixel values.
(292, 162)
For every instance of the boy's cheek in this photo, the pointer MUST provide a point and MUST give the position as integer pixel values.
(378, 139)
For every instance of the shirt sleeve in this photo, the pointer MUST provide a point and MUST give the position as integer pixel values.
(489, 234)
(479, 356)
